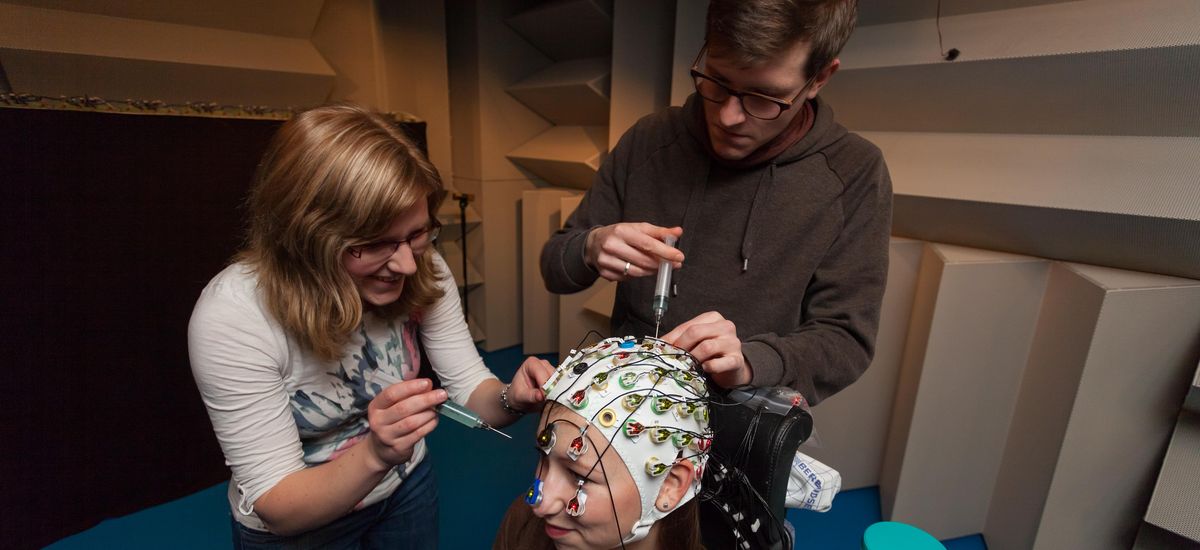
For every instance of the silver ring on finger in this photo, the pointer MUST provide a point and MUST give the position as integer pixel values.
(625, 272)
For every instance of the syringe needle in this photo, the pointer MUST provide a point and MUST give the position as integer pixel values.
(497, 431)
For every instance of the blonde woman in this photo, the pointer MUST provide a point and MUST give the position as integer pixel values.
(305, 348)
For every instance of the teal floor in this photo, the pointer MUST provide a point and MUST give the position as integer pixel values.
(479, 474)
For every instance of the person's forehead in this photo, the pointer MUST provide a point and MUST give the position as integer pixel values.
(784, 69)
(416, 217)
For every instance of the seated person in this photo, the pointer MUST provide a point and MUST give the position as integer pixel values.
(625, 438)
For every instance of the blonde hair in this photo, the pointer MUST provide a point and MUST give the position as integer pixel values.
(333, 175)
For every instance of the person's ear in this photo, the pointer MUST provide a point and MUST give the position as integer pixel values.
(675, 486)
(823, 77)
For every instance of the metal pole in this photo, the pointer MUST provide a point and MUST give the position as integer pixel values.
(463, 199)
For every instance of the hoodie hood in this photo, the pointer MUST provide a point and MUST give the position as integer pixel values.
(822, 133)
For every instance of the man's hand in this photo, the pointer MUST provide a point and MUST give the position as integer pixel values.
(525, 392)
(626, 250)
(713, 341)
(399, 417)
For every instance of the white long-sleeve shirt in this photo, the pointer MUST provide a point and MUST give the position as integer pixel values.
(277, 409)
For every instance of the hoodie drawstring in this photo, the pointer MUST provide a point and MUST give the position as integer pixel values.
(692, 212)
(760, 197)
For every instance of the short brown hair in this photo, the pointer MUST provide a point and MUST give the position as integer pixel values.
(332, 175)
(755, 30)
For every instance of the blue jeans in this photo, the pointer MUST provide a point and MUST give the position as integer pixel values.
(406, 520)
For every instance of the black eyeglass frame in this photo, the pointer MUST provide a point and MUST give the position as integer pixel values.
(783, 104)
(433, 230)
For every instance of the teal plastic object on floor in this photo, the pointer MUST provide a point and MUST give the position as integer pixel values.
(890, 535)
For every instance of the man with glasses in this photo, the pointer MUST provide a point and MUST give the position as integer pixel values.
(782, 215)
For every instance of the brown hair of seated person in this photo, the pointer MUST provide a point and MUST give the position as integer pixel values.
(522, 530)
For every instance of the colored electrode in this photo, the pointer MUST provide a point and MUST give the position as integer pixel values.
(466, 417)
(661, 287)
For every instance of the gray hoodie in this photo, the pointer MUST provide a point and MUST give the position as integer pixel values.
(794, 251)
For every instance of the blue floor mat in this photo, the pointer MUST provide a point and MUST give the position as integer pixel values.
(199, 520)
(842, 526)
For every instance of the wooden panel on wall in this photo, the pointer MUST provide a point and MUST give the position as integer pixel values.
(540, 217)
(1177, 493)
(574, 319)
(641, 62)
(501, 251)
(1107, 374)
(294, 18)
(972, 323)
(53, 52)
(689, 36)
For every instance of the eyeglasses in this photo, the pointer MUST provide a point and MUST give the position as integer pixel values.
(757, 105)
(380, 251)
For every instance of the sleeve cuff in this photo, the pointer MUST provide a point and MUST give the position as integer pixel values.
(578, 271)
(766, 367)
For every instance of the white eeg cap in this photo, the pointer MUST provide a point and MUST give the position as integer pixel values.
(649, 400)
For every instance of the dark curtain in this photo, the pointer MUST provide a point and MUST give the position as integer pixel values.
(110, 225)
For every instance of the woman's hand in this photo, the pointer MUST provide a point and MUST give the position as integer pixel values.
(525, 392)
(626, 250)
(713, 341)
(399, 417)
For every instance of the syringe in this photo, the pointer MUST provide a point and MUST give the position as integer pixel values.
(448, 409)
(466, 417)
(662, 287)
